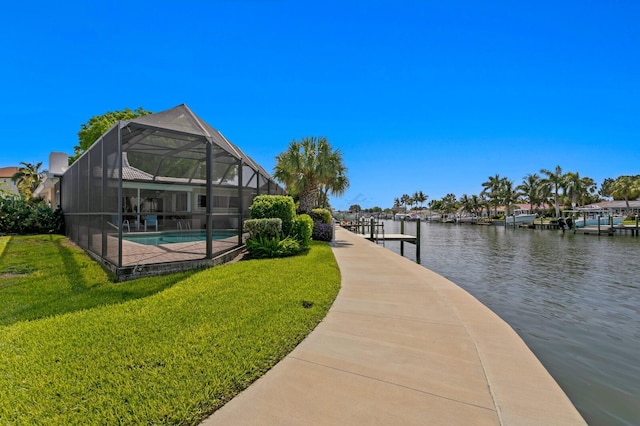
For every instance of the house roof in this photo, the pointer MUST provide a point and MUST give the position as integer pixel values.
(616, 204)
(8, 172)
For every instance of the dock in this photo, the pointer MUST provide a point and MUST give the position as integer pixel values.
(374, 231)
(391, 237)
(608, 230)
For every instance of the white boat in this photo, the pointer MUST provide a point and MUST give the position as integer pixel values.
(466, 219)
(520, 217)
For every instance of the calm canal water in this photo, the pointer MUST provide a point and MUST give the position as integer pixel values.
(574, 299)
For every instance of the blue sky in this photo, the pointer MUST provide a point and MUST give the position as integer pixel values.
(418, 95)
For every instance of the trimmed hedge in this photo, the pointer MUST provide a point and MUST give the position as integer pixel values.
(263, 227)
(272, 206)
(321, 215)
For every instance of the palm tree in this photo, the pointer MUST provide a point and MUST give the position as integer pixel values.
(626, 187)
(530, 189)
(27, 178)
(404, 200)
(420, 198)
(448, 204)
(554, 181)
(578, 188)
(493, 190)
(508, 193)
(309, 168)
(396, 204)
(474, 204)
(336, 181)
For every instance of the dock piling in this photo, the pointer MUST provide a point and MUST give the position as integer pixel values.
(402, 232)
(418, 241)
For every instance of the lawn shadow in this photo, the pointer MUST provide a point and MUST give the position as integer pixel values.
(71, 268)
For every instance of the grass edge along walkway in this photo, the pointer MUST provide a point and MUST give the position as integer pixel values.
(170, 358)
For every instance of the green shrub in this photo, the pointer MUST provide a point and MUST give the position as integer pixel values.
(271, 206)
(262, 247)
(303, 229)
(322, 227)
(322, 231)
(263, 227)
(28, 216)
(321, 215)
(289, 247)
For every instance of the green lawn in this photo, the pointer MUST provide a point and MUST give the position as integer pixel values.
(164, 350)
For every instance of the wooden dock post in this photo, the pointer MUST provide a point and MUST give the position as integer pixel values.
(637, 215)
(402, 232)
(371, 228)
(418, 241)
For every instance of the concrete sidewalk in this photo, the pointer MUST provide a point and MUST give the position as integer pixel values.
(402, 345)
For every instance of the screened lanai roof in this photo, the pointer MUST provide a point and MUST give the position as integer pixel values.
(175, 135)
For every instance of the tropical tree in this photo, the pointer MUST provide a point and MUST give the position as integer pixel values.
(311, 167)
(448, 204)
(605, 187)
(405, 199)
(493, 191)
(530, 189)
(97, 125)
(471, 204)
(465, 201)
(335, 173)
(396, 204)
(577, 188)
(27, 178)
(554, 182)
(508, 194)
(626, 188)
(420, 197)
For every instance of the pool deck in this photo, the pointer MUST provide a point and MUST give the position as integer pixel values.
(402, 345)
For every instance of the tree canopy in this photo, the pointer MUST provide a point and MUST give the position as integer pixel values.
(310, 169)
(27, 178)
(97, 125)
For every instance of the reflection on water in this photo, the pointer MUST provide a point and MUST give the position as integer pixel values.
(574, 299)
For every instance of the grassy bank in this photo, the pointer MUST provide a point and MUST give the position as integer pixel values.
(170, 357)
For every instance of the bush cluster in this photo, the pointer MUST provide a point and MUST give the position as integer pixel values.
(28, 216)
(265, 227)
(303, 229)
(271, 206)
(322, 227)
(322, 231)
(275, 230)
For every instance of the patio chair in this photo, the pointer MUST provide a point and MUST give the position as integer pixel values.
(115, 224)
(151, 220)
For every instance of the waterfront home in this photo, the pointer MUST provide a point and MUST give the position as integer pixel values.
(158, 193)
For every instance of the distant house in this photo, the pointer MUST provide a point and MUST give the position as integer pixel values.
(6, 181)
(157, 193)
(48, 190)
(617, 207)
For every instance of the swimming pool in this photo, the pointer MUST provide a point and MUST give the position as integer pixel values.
(173, 237)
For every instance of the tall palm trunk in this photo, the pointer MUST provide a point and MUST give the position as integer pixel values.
(308, 198)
